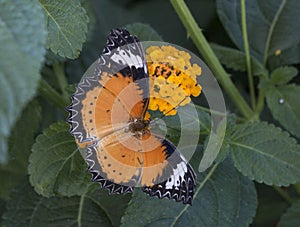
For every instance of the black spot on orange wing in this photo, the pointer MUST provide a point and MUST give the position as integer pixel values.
(133, 61)
(107, 71)
(99, 96)
(112, 187)
(116, 158)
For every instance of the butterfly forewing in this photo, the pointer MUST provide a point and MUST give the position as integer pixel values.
(107, 119)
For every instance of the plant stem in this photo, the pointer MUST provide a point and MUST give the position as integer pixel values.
(208, 176)
(200, 41)
(61, 78)
(80, 210)
(283, 194)
(260, 101)
(215, 112)
(247, 52)
(52, 95)
(271, 30)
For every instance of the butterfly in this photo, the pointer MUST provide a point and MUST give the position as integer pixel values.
(107, 118)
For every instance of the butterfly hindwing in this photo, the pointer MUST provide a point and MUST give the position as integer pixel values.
(104, 182)
(113, 94)
(181, 181)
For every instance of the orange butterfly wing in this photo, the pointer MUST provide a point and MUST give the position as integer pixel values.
(112, 95)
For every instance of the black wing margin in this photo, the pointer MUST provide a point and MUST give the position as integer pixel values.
(126, 55)
(181, 183)
(129, 60)
(112, 187)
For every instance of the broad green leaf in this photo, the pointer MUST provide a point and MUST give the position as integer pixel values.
(289, 56)
(225, 149)
(23, 134)
(106, 17)
(268, 200)
(67, 26)
(224, 198)
(27, 208)
(186, 125)
(113, 205)
(19, 146)
(292, 217)
(2, 208)
(283, 75)
(284, 103)
(297, 187)
(23, 36)
(213, 144)
(266, 154)
(55, 165)
(26, 22)
(236, 59)
(186, 117)
(266, 24)
(9, 179)
(144, 32)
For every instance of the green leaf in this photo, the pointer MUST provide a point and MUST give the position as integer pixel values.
(216, 147)
(283, 75)
(113, 205)
(2, 208)
(23, 36)
(223, 198)
(266, 25)
(144, 32)
(185, 126)
(266, 154)
(23, 134)
(26, 22)
(236, 60)
(67, 26)
(268, 200)
(292, 217)
(108, 15)
(55, 165)
(19, 146)
(225, 149)
(284, 102)
(297, 187)
(27, 208)
(186, 117)
(288, 56)
(213, 144)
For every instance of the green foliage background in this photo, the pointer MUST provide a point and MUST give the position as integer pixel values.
(253, 49)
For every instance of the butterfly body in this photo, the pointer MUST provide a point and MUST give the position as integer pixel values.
(139, 127)
(108, 114)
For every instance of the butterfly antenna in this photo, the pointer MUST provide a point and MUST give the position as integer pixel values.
(174, 108)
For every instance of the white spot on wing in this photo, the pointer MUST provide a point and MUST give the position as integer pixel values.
(127, 58)
(179, 171)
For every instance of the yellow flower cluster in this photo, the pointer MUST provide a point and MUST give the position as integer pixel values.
(172, 78)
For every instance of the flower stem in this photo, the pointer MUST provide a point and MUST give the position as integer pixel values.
(200, 41)
(247, 52)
